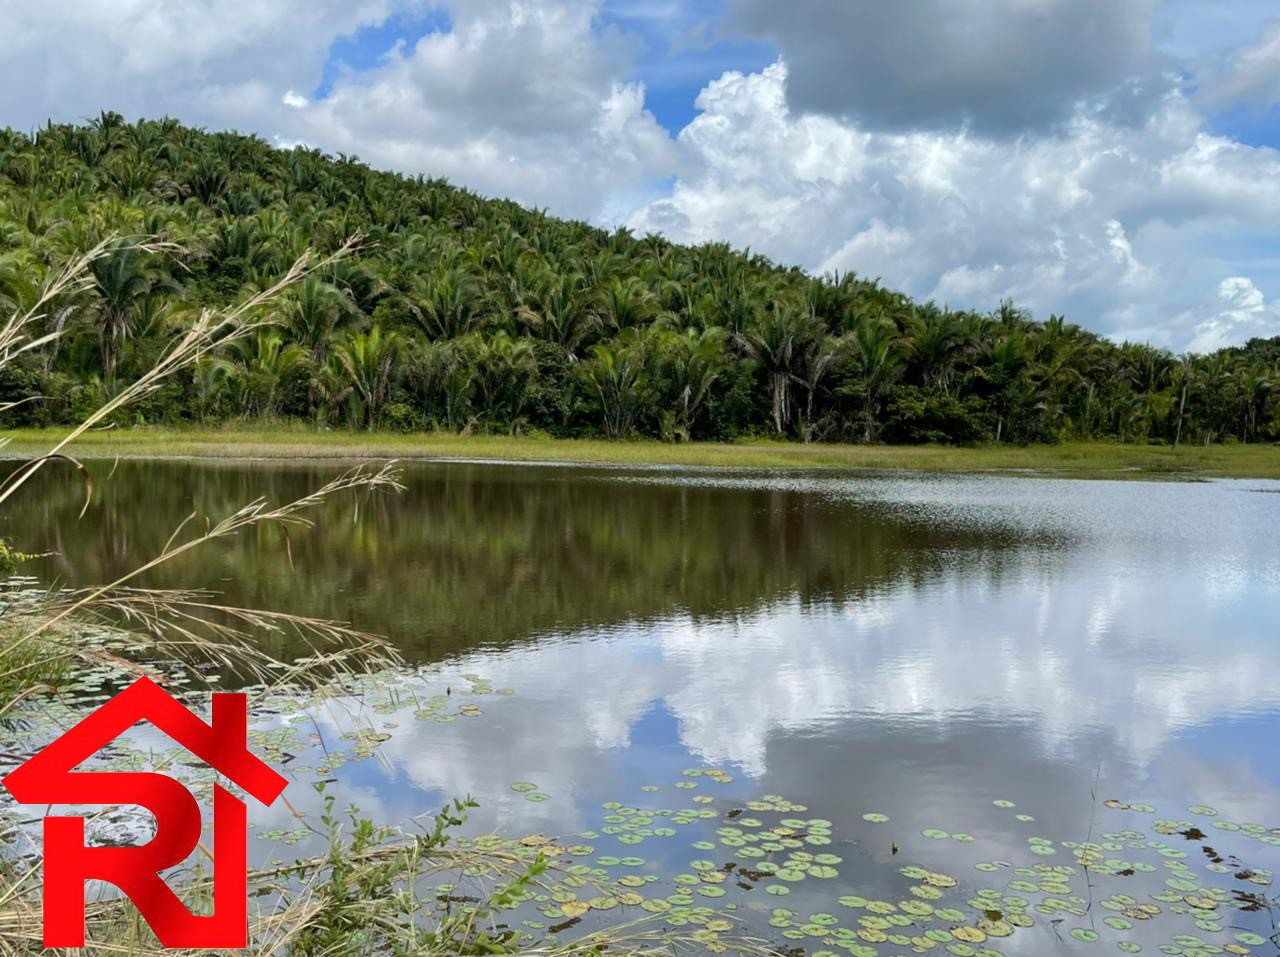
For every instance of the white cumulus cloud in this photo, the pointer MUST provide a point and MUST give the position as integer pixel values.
(1242, 313)
(1111, 223)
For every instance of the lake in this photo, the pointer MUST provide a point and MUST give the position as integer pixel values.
(982, 660)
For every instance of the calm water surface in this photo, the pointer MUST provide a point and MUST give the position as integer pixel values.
(917, 646)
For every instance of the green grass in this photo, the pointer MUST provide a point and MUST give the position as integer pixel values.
(1094, 459)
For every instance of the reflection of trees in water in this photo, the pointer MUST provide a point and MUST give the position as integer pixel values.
(473, 554)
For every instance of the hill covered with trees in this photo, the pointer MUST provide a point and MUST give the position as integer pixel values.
(463, 313)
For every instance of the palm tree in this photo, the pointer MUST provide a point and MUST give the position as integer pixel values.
(874, 343)
(209, 379)
(443, 368)
(937, 342)
(618, 377)
(122, 281)
(261, 365)
(557, 312)
(368, 358)
(776, 344)
(693, 360)
(1003, 361)
(625, 303)
(314, 313)
(1256, 384)
(448, 305)
(506, 367)
(818, 357)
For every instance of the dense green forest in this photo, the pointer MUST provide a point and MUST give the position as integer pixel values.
(467, 314)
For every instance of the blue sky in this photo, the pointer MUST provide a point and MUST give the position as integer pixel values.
(1248, 123)
(682, 49)
(367, 47)
(1118, 162)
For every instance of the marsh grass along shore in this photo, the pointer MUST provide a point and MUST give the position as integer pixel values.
(1077, 460)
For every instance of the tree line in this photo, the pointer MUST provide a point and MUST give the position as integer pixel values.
(469, 314)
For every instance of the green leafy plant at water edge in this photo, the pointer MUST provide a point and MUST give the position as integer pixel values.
(364, 901)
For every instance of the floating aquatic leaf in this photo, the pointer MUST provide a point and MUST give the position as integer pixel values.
(935, 834)
(970, 935)
(876, 818)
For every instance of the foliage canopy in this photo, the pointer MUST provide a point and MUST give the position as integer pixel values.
(462, 313)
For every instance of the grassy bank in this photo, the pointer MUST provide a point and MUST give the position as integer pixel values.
(1104, 460)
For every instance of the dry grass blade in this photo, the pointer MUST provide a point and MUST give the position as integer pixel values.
(189, 626)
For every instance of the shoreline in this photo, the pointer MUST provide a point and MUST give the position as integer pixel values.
(1071, 460)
